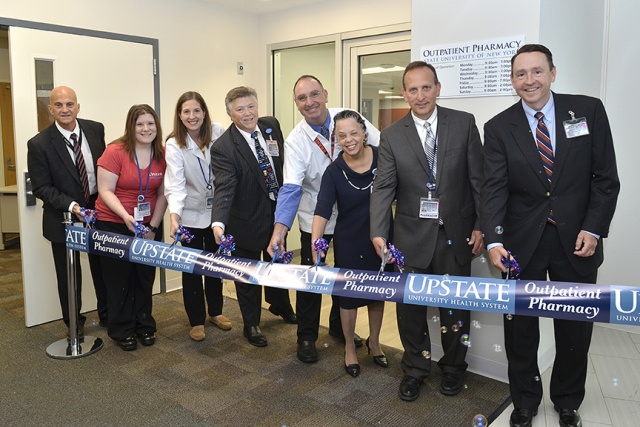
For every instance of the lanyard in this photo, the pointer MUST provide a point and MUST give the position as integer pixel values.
(70, 144)
(141, 196)
(324, 150)
(207, 181)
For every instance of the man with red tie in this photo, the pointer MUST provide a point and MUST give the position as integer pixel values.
(550, 192)
(62, 167)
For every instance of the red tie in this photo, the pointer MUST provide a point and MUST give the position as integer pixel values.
(82, 169)
(545, 149)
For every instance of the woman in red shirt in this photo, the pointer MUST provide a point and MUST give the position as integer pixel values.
(130, 187)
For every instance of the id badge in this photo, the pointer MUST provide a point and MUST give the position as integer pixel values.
(144, 209)
(576, 127)
(208, 198)
(429, 208)
(136, 215)
(272, 148)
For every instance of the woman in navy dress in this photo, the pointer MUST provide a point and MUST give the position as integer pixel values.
(348, 181)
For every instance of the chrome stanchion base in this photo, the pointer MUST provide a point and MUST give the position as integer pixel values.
(63, 350)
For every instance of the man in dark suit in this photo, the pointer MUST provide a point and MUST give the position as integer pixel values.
(65, 186)
(550, 191)
(247, 166)
(431, 162)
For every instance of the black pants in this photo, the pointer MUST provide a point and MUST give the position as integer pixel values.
(193, 295)
(130, 288)
(413, 326)
(60, 261)
(572, 338)
(250, 295)
(308, 304)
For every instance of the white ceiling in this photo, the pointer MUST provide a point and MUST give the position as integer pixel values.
(261, 6)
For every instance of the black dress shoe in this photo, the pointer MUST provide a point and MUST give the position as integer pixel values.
(147, 338)
(104, 322)
(380, 360)
(128, 344)
(254, 336)
(340, 337)
(287, 315)
(522, 417)
(409, 388)
(568, 417)
(451, 384)
(307, 352)
(353, 369)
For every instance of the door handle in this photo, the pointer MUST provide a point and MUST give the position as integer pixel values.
(10, 165)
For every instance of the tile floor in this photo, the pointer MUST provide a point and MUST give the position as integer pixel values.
(613, 382)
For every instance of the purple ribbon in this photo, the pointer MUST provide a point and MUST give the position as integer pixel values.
(227, 245)
(397, 255)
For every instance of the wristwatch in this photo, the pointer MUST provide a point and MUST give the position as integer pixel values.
(153, 229)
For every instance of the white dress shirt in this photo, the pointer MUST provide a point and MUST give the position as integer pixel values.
(86, 154)
(185, 180)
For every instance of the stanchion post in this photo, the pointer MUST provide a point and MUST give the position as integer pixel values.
(72, 291)
(71, 347)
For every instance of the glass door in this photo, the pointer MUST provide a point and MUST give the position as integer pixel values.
(374, 79)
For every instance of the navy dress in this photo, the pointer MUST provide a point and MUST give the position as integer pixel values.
(351, 242)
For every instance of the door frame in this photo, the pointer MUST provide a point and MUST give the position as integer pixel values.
(354, 48)
(340, 40)
(6, 23)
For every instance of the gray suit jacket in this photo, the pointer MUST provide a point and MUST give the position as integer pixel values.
(403, 173)
(54, 177)
(241, 200)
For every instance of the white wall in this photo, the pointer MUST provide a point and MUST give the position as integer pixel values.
(199, 46)
(573, 31)
(432, 24)
(199, 43)
(621, 97)
(443, 22)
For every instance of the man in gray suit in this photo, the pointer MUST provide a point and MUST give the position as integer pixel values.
(431, 162)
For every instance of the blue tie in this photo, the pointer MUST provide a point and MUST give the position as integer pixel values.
(325, 132)
(267, 170)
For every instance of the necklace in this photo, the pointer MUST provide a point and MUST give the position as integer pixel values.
(358, 188)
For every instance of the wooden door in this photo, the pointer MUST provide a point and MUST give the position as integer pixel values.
(8, 148)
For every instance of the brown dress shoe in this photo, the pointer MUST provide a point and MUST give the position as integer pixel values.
(221, 321)
(197, 333)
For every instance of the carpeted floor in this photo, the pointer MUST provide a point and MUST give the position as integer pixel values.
(222, 381)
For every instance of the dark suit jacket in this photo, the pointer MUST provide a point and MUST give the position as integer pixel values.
(54, 177)
(516, 194)
(240, 199)
(403, 173)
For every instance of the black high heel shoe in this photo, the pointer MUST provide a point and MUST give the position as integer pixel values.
(378, 360)
(353, 370)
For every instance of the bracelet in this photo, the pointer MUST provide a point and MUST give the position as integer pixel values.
(153, 229)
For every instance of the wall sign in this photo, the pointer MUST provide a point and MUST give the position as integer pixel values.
(477, 68)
